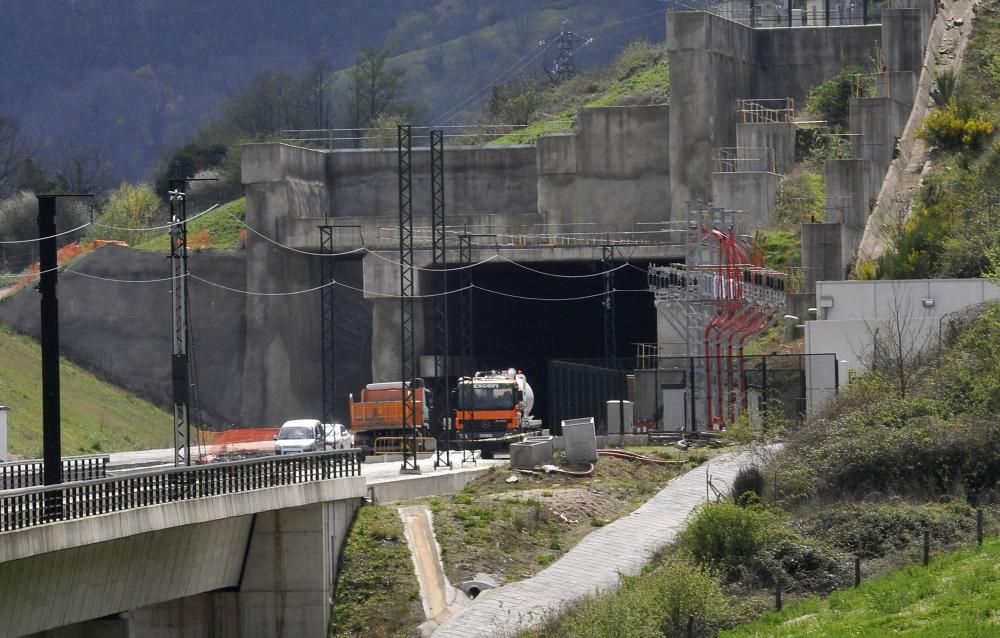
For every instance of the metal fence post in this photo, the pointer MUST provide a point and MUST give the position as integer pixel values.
(927, 547)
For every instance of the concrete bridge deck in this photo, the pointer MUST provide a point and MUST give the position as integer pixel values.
(259, 560)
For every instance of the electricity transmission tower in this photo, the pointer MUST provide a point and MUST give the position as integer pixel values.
(563, 67)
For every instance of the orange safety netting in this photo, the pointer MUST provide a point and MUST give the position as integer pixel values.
(237, 443)
(66, 254)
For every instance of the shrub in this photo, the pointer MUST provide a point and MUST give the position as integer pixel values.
(944, 87)
(726, 536)
(955, 128)
(658, 603)
(871, 531)
(748, 486)
(831, 98)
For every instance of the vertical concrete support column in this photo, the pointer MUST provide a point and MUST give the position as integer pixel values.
(712, 63)
(822, 254)
(286, 585)
(777, 136)
(849, 192)
(872, 125)
(3, 432)
(901, 38)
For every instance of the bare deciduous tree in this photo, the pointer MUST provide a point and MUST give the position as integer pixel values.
(898, 341)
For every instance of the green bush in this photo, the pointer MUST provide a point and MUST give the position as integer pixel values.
(725, 536)
(955, 128)
(831, 98)
(941, 438)
(657, 603)
(872, 531)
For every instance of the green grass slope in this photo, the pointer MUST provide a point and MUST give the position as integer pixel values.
(96, 416)
(639, 75)
(217, 229)
(957, 595)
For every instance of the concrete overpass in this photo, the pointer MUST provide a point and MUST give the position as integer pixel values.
(233, 549)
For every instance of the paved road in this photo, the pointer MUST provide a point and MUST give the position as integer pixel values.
(594, 564)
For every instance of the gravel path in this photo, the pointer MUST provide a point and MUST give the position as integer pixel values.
(624, 546)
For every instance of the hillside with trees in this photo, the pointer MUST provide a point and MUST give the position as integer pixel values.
(127, 83)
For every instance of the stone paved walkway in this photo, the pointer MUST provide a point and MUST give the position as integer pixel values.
(594, 564)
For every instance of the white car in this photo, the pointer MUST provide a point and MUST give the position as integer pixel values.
(338, 437)
(299, 435)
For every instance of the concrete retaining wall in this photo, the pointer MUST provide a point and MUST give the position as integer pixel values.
(751, 192)
(614, 169)
(714, 62)
(777, 136)
(122, 331)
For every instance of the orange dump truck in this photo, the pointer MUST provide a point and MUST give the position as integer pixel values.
(493, 409)
(378, 413)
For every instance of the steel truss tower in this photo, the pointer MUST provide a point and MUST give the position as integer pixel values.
(406, 289)
(439, 345)
(327, 326)
(180, 363)
(610, 335)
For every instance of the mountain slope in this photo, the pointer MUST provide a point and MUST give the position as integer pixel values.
(138, 78)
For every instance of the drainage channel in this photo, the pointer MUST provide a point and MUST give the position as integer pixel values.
(441, 601)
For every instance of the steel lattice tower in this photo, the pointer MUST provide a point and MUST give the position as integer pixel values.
(439, 261)
(610, 335)
(327, 326)
(180, 366)
(408, 390)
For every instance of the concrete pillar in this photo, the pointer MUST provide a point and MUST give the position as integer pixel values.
(286, 586)
(3, 433)
(281, 182)
(777, 136)
(872, 127)
(284, 590)
(754, 193)
(827, 250)
(712, 63)
(849, 192)
(902, 39)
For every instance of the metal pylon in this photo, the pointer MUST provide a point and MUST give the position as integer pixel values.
(408, 392)
(467, 334)
(180, 366)
(327, 326)
(610, 335)
(439, 345)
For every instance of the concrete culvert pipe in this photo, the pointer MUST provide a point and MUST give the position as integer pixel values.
(472, 588)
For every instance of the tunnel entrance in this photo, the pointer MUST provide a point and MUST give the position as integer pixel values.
(517, 324)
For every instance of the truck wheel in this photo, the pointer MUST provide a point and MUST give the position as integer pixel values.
(486, 454)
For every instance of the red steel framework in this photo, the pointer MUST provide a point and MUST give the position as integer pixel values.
(721, 297)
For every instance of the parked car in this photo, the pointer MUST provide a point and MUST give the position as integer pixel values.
(299, 435)
(338, 437)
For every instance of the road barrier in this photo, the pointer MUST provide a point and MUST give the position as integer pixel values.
(69, 501)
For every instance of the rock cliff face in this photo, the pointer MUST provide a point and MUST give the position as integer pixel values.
(122, 331)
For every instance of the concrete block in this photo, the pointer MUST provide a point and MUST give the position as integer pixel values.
(531, 453)
(580, 439)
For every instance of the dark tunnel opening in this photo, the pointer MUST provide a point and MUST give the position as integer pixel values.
(516, 325)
